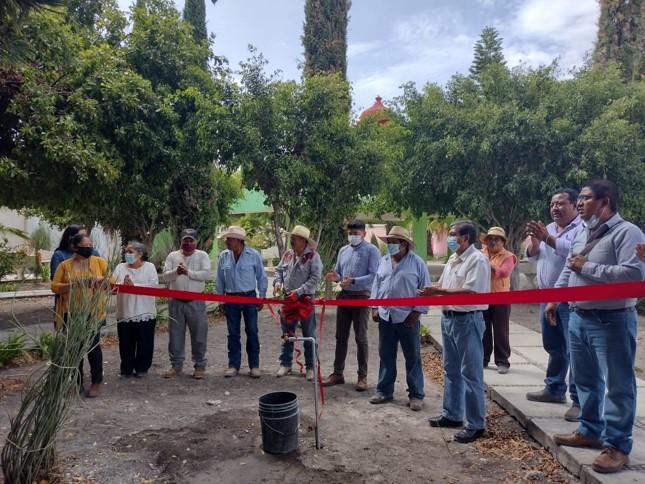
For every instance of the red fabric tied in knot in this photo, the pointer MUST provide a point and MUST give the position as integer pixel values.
(297, 309)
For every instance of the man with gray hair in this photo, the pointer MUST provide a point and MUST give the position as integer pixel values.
(462, 328)
(187, 269)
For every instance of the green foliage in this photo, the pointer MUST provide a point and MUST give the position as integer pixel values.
(45, 342)
(325, 36)
(488, 51)
(621, 37)
(13, 347)
(8, 286)
(163, 244)
(114, 115)
(494, 150)
(40, 238)
(195, 15)
(259, 230)
(9, 259)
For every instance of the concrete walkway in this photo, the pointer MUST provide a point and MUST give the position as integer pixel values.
(542, 420)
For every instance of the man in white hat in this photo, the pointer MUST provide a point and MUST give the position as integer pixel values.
(240, 273)
(400, 274)
(298, 274)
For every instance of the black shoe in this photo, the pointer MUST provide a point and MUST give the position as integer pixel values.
(468, 435)
(444, 422)
(545, 397)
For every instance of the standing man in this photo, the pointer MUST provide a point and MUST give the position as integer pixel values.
(239, 273)
(603, 333)
(462, 328)
(549, 246)
(297, 276)
(356, 267)
(401, 273)
(186, 270)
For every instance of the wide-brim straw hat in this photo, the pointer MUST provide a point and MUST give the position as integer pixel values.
(398, 232)
(233, 232)
(496, 232)
(305, 233)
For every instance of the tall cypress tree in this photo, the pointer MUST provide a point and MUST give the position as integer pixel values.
(488, 50)
(195, 15)
(325, 36)
(621, 36)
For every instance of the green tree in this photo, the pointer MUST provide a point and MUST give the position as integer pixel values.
(621, 36)
(12, 14)
(113, 124)
(325, 36)
(488, 50)
(496, 159)
(195, 15)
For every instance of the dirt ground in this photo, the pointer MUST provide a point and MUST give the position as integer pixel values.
(182, 430)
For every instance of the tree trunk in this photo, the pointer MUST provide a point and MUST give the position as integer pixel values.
(277, 228)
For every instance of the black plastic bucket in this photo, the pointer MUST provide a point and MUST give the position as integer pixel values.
(279, 419)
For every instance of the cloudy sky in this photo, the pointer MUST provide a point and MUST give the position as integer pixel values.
(393, 42)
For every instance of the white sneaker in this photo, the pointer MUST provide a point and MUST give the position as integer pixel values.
(231, 372)
(283, 371)
(310, 375)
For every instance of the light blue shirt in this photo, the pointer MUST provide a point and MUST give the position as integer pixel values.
(613, 259)
(360, 263)
(244, 275)
(550, 261)
(410, 274)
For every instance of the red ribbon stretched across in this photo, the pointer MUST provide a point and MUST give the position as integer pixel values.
(598, 292)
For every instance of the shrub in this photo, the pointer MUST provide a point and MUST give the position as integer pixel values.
(12, 347)
(9, 259)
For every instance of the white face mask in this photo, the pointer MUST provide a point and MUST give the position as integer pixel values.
(592, 223)
(354, 239)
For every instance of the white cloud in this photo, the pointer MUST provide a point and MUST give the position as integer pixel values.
(541, 30)
(356, 49)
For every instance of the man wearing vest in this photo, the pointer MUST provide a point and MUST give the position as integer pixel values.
(297, 276)
(355, 270)
(603, 333)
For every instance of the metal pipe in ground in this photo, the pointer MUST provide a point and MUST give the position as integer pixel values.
(313, 345)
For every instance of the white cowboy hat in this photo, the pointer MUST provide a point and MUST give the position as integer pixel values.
(305, 233)
(233, 232)
(397, 232)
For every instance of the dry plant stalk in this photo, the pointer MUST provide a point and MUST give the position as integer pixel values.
(29, 453)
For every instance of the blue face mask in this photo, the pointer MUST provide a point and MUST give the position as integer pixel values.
(453, 245)
(393, 249)
(130, 258)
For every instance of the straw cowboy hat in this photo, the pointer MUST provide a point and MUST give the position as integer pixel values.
(305, 233)
(233, 232)
(397, 232)
(496, 232)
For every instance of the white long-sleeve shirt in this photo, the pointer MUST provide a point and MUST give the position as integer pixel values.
(130, 307)
(199, 271)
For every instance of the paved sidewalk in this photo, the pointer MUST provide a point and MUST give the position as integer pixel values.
(26, 294)
(542, 420)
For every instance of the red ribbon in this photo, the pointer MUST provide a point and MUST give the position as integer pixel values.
(599, 292)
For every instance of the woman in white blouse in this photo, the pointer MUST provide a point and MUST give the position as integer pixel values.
(136, 315)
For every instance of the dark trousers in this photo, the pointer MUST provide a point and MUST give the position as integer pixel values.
(95, 357)
(345, 317)
(234, 314)
(497, 318)
(136, 345)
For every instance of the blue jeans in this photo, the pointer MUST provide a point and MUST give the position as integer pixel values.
(308, 329)
(389, 337)
(603, 347)
(555, 340)
(463, 365)
(234, 313)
